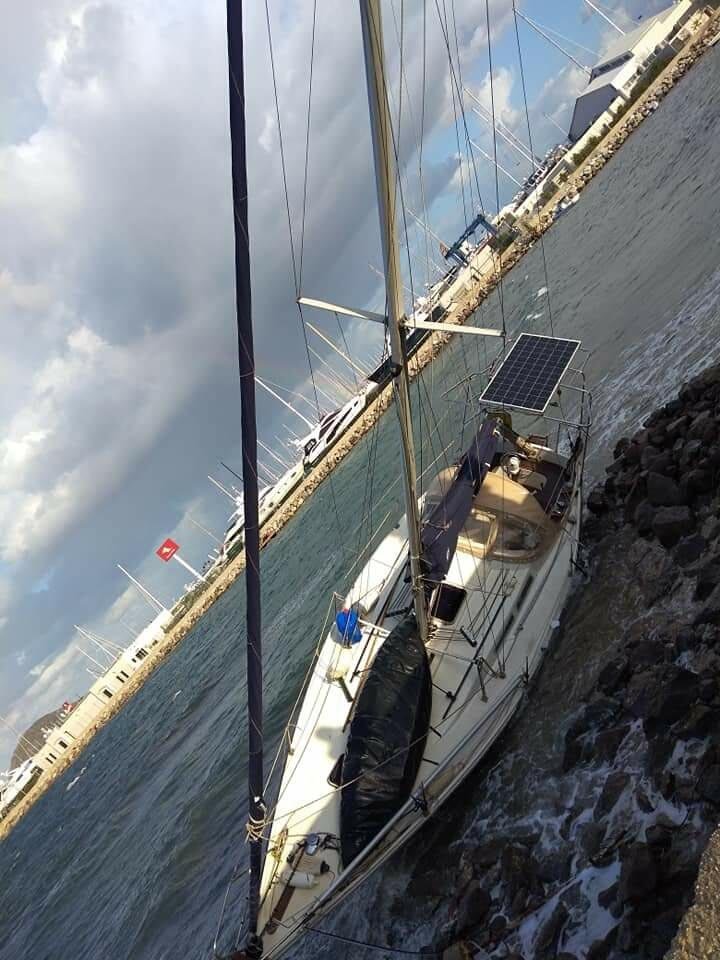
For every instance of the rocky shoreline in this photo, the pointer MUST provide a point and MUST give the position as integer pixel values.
(635, 769)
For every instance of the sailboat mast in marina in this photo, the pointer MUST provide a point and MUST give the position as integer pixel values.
(431, 650)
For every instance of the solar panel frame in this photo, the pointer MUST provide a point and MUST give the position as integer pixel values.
(547, 379)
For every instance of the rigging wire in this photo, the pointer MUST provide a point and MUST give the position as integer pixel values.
(455, 115)
(497, 179)
(532, 153)
(468, 151)
(296, 274)
(307, 145)
(374, 946)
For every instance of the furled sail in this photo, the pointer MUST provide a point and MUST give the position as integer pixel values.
(441, 529)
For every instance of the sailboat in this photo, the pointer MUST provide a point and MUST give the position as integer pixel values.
(430, 653)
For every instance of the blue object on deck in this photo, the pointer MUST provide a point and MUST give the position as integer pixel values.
(347, 623)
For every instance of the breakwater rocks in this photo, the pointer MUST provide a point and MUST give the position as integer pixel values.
(587, 837)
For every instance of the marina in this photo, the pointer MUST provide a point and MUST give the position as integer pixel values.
(457, 299)
(460, 644)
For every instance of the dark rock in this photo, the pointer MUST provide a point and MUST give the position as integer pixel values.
(615, 468)
(641, 691)
(659, 751)
(699, 722)
(708, 786)
(611, 791)
(711, 528)
(607, 897)
(472, 909)
(620, 447)
(595, 715)
(685, 639)
(638, 873)
(713, 457)
(606, 744)
(659, 835)
(633, 454)
(690, 549)
(703, 427)
(673, 700)
(708, 578)
(657, 435)
(673, 408)
(690, 451)
(660, 932)
(613, 675)
(519, 901)
(710, 613)
(643, 517)
(647, 652)
(549, 933)
(658, 461)
(662, 491)
(489, 852)
(708, 689)
(518, 869)
(695, 482)
(566, 956)
(671, 523)
(634, 496)
(597, 502)
(555, 867)
(497, 927)
(600, 949)
(677, 428)
(590, 838)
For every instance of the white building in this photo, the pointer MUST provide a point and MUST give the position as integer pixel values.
(624, 63)
(85, 714)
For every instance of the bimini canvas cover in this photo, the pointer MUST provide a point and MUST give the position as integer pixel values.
(386, 740)
(442, 528)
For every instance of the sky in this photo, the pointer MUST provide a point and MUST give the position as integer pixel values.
(118, 369)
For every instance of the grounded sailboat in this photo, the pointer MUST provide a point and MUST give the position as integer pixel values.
(430, 652)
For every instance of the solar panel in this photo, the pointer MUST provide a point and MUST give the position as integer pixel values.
(530, 374)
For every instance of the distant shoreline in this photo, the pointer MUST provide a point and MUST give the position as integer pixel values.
(463, 307)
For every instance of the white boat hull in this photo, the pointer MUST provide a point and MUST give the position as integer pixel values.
(511, 611)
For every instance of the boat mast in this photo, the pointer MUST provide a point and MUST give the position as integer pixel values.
(385, 176)
(256, 805)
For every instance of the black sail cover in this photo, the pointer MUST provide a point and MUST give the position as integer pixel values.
(386, 738)
(440, 531)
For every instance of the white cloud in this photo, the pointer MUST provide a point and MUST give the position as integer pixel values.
(267, 136)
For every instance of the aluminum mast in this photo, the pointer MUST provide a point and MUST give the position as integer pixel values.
(385, 176)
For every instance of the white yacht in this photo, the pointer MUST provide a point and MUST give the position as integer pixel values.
(16, 783)
(271, 497)
(332, 426)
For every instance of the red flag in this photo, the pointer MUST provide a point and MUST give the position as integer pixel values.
(167, 550)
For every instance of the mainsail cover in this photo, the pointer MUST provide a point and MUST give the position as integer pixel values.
(440, 531)
(386, 739)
